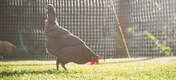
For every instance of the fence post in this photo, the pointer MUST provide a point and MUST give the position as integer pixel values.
(122, 20)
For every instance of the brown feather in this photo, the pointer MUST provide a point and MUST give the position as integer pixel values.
(63, 44)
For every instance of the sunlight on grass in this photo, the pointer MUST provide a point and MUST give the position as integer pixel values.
(45, 70)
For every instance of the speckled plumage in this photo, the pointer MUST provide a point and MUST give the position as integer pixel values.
(63, 44)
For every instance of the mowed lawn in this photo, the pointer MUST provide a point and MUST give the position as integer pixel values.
(111, 69)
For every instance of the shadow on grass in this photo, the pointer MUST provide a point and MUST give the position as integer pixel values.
(18, 73)
(125, 61)
(25, 64)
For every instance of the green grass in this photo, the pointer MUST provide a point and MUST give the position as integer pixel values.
(118, 70)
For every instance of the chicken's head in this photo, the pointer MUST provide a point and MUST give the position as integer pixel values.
(95, 59)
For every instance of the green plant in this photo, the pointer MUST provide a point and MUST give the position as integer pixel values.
(159, 46)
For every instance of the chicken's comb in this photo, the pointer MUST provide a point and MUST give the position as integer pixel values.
(98, 58)
(92, 63)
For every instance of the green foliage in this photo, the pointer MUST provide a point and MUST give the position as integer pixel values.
(161, 47)
(130, 29)
(150, 36)
(104, 71)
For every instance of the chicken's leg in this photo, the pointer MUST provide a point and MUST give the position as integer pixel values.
(63, 65)
(57, 63)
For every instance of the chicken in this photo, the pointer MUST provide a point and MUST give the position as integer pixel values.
(63, 44)
(6, 48)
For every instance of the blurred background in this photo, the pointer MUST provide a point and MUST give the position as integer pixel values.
(149, 26)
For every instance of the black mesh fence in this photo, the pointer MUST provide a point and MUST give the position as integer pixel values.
(149, 26)
(152, 32)
(22, 23)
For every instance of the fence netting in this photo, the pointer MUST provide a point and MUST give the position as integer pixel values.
(148, 25)
(152, 30)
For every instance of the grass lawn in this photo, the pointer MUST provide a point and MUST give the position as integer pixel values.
(111, 69)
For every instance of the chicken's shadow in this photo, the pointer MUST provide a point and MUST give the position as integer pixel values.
(6, 73)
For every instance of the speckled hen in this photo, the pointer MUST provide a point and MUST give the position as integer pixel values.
(63, 44)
